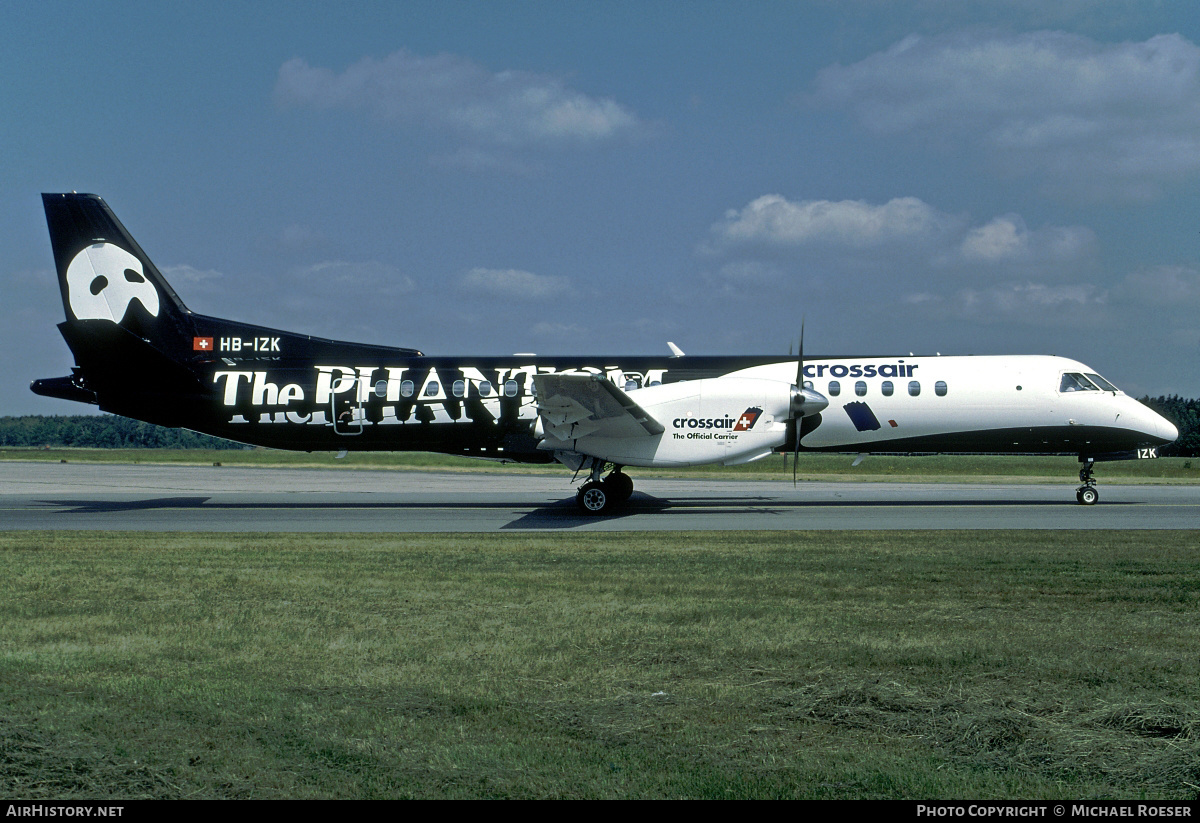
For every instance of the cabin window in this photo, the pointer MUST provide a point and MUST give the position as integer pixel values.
(432, 388)
(860, 388)
(939, 388)
(914, 387)
(407, 388)
(485, 389)
(887, 388)
(381, 388)
(459, 388)
(835, 388)
(510, 388)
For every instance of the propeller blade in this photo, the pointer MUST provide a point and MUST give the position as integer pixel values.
(800, 359)
(806, 402)
(800, 389)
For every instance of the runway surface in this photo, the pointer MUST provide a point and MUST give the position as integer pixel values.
(199, 498)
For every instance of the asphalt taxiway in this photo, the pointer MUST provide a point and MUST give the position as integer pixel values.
(36, 496)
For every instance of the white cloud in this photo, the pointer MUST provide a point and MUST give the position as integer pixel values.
(1000, 239)
(345, 278)
(937, 265)
(1176, 287)
(1158, 303)
(189, 274)
(1018, 298)
(451, 93)
(514, 283)
(197, 287)
(773, 220)
(1076, 305)
(912, 238)
(1008, 239)
(750, 272)
(299, 238)
(1107, 117)
(365, 300)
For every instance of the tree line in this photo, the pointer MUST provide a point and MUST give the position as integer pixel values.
(110, 431)
(101, 431)
(1185, 414)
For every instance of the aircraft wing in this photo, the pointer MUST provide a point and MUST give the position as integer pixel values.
(572, 406)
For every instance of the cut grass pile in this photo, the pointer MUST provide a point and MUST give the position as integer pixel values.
(813, 466)
(817, 665)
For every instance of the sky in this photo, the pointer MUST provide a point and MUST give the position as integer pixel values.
(602, 177)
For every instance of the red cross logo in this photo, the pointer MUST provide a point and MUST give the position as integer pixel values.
(748, 418)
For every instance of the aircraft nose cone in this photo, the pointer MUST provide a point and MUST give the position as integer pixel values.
(1167, 430)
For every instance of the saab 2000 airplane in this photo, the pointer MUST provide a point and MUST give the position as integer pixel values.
(139, 352)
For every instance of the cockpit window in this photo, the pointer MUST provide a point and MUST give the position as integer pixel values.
(1072, 381)
(1102, 383)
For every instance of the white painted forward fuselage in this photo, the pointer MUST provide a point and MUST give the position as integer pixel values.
(950, 404)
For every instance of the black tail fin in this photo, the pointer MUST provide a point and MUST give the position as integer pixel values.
(102, 271)
(125, 325)
(138, 350)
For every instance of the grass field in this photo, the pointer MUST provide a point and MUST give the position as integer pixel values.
(815, 665)
(826, 467)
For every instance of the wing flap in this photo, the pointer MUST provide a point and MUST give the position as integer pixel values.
(579, 405)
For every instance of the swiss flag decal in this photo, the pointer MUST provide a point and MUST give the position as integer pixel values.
(202, 344)
(747, 420)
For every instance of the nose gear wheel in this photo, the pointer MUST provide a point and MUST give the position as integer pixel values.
(1087, 494)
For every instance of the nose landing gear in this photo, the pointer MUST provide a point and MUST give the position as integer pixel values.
(1087, 494)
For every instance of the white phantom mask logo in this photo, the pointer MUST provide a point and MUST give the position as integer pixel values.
(103, 280)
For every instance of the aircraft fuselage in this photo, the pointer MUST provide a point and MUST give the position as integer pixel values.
(140, 352)
(487, 407)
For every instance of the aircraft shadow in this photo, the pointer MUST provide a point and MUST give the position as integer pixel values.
(565, 514)
(562, 514)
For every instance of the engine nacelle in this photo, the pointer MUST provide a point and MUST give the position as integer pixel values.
(727, 420)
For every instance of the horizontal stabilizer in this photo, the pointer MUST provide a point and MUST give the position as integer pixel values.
(64, 388)
(129, 376)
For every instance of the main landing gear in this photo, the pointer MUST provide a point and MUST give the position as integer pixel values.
(1087, 494)
(603, 496)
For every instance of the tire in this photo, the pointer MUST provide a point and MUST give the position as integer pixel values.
(1087, 496)
(594, 498)
(620, 486)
